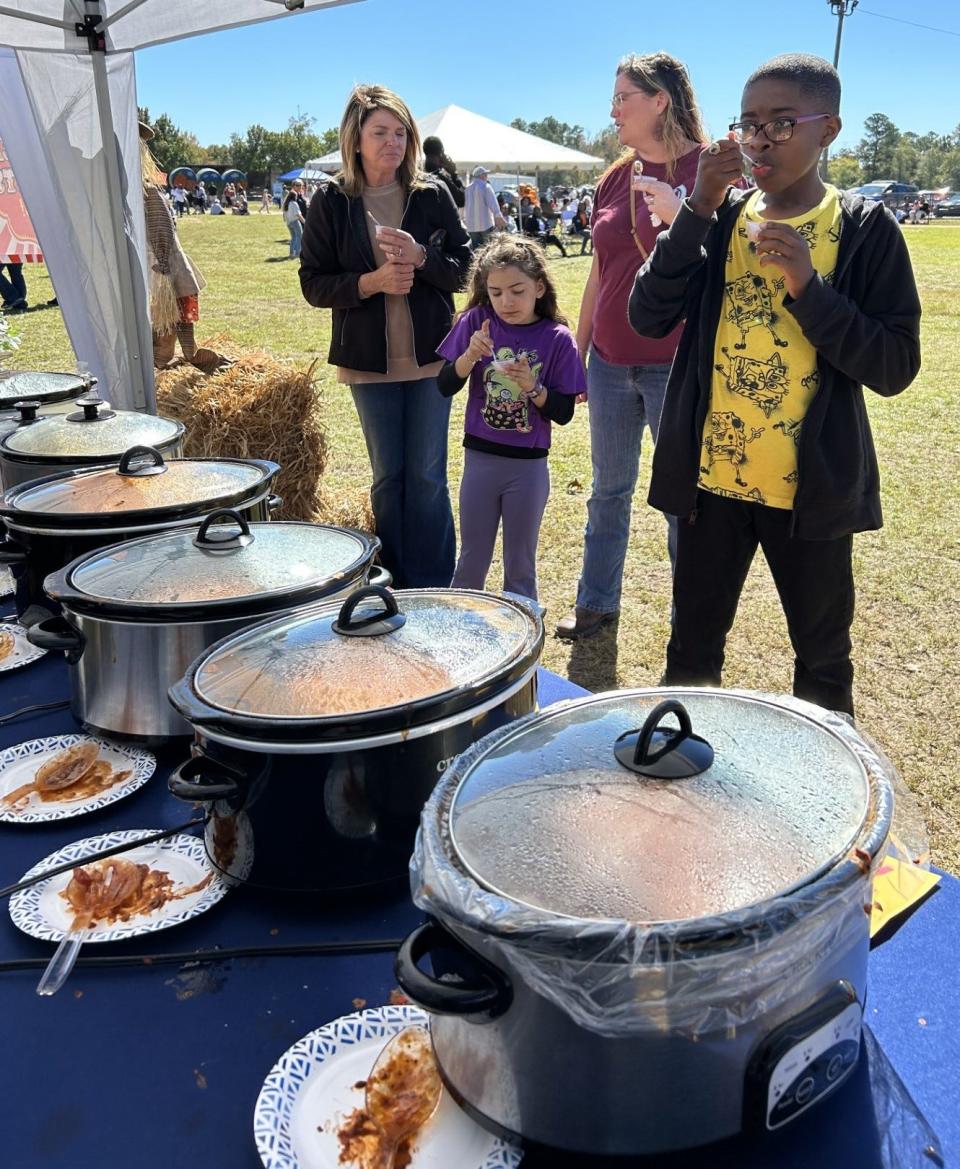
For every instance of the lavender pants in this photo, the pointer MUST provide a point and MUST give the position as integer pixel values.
(496, 487)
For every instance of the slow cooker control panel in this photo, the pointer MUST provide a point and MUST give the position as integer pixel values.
(807, 1058)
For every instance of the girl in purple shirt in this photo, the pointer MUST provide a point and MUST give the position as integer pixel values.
(525, 372)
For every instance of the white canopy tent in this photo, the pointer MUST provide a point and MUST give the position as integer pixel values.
(68, 118)
(472, 140)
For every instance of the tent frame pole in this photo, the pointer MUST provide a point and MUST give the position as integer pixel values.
(141, 383)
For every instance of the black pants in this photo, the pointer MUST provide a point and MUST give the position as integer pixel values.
(813, 577)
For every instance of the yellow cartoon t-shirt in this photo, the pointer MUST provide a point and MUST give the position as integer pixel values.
(765, 370)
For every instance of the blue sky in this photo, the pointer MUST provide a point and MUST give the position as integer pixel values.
(512, 59)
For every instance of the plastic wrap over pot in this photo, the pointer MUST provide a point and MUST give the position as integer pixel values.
(617, 976)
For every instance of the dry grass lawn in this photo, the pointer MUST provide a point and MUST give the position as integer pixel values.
(907, 630)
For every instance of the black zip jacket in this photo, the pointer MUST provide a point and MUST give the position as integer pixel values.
(336, 252)
(865, 327)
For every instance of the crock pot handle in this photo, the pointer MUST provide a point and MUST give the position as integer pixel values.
(487, 999)
(157, 467)
(680, 753)
(11, 552)
(199, 779)
(380, 576)
(55, 633)
(209, 543)
(274, 502)
(386, 620)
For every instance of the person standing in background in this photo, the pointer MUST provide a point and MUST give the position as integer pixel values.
(436, 163)
(384, 248)
(658, 124)
(295, 215)
(481, 210)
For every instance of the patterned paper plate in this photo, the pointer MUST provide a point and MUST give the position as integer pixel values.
(312, 1089)
(41, 912)
(23, 652)
(19, 764)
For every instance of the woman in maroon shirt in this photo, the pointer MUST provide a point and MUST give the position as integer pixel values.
(658, 123)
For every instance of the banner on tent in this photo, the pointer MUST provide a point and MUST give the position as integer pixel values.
(18, 240)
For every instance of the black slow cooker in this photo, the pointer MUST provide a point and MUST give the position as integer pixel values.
(657, 934)
(320, 736)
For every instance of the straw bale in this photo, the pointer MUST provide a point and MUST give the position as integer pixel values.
(263, 408)
(258, 407)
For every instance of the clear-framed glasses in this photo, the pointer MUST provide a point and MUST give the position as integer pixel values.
(619, 98)
(776, 130)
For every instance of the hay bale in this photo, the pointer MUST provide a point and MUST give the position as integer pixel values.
(258, 407)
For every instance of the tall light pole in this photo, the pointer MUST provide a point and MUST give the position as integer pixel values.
(840, 9)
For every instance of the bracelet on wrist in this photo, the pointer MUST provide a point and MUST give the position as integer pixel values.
(423, 259)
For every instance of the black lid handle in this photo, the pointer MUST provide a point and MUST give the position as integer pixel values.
(27, 410)
(385, 620)
(90, 409)
(662, 752)
(228, 542)
(138, 453)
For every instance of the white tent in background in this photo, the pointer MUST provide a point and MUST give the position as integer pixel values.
(68, 118)
(472, 140)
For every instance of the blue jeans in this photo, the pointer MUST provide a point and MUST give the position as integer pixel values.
(13, 291)
(623, 399)
(296, 237)
(405, 426)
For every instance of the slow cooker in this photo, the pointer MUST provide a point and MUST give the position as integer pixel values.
(647, 937)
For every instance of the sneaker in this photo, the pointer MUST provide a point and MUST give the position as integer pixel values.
(583, 623)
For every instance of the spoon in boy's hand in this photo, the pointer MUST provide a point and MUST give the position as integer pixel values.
(403, 1091)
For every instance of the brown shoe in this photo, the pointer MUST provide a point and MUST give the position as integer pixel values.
(583, 623)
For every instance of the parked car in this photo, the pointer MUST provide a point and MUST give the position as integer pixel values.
(948, 206)
(888, 191)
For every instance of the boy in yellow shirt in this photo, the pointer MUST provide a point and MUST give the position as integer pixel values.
(795, 296)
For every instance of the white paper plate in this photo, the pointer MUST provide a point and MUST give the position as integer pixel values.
(310, 1092)
(7, 585)
(23, 652)
(19, 764)
(41, 912)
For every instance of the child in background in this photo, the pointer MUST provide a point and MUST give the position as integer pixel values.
(795, 296)
(525, 372)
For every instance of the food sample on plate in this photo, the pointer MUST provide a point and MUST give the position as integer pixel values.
(402, 1093)
(116, 889)
(8, 643)
(72, 774)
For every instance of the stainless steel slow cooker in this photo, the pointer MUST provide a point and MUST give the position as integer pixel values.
(26, 395)
(89, 436)
(135, 615)
(320, 736)
(647, 937)
(54, 520)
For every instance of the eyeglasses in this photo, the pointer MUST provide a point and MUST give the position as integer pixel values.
(619, 98)
(777, 130)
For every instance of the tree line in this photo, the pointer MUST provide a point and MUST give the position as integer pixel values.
(884, 152)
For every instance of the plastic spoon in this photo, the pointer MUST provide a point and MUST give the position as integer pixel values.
(403, 1091)
(59, 967)
(637, 174)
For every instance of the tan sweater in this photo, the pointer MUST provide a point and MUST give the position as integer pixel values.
(387, 205)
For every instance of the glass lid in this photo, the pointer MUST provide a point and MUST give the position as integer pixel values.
(109, 434)
(27, 385)
(315, 666)
(550, 816)
(224, 560)
(108, 490)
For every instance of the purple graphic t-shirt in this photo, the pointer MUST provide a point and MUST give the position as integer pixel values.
(496, 409)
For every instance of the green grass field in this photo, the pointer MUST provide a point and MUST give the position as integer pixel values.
(907, 630)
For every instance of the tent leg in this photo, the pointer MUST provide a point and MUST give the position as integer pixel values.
(141, 381)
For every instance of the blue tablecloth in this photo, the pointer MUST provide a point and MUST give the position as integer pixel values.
(156, 1067)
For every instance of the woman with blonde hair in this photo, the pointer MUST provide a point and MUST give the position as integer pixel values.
(384, 248)
(659, 126)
